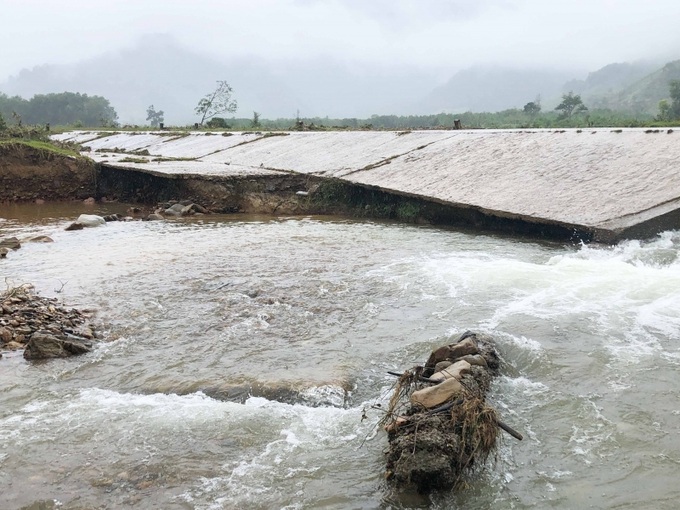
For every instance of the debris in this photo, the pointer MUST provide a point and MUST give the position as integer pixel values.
(440, 428)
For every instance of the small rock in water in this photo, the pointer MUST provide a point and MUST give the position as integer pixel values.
(44, 345)
(154, 217)
(10, 242)
(90, 220)
(3, 253)
(40, 239)
(75, 226)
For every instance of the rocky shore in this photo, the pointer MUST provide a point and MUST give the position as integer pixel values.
(41, 327)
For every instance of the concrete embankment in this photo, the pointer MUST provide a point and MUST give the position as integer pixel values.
(596, 184)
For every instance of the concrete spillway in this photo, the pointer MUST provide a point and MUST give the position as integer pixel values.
(608, 184)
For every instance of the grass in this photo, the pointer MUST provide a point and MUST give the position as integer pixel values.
(41, 146)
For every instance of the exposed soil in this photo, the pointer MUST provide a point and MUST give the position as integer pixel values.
(28, 174)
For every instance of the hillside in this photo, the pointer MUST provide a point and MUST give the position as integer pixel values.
(493, 89)
(645, 94)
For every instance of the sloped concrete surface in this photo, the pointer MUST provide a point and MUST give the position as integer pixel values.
(603, 180)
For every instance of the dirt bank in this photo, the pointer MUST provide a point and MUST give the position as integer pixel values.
(30, 172)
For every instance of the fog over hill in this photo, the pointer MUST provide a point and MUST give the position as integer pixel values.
(159, 71)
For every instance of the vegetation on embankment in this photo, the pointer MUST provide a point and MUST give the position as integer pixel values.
(34, 168)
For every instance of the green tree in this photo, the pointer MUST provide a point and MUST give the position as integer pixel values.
(3, 124)
(532, 108)
(675, 99)
(154, 117)
(65, 108)
(218, 101)
(664, 110)
(571, 105)
(256, 120)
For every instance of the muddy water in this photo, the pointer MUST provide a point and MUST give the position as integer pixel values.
(243, 351)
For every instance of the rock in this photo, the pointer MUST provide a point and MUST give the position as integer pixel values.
(154, 217)
(442, 365)
(40, 239)
(112, 217)
(75, 226)
(5, 335)
(44, 345)
(451, 353)
(3, 252)
(187, 210)
(89, 201)
(456, 371)
(90, 220)
(438, 394)
(199, 209)
(475, 359)
(14, 346)
(10, 242)
(174, 210)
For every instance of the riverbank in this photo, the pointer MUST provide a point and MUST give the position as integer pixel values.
(33, 171)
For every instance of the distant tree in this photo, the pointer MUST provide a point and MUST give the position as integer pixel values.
(571, 105)
(675, 99)
(65, 108)
(218, 101)
(664, 110)
(154, 117)
(3, 124)
(532, 108)
(217, 123)
(256, 120)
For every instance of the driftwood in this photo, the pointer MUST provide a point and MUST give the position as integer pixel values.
(441, 430)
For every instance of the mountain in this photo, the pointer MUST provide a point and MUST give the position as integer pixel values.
(643, 96)
(159, 71)
(609, 79)
(492, 89)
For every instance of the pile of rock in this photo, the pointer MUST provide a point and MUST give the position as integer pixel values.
(440, 428)
(41, 327)
(172, 208)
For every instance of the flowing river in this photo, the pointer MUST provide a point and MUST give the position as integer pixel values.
(241, 354)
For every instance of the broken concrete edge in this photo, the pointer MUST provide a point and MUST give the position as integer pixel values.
(430, 210)
(644, 224)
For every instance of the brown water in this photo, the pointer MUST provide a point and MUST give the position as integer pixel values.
(310, 314)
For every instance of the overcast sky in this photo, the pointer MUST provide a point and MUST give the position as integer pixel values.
(445, 34)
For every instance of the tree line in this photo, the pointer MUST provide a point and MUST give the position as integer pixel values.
(81, 110)
(63, 109)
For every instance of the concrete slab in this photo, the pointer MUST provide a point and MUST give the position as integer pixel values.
(611, 182)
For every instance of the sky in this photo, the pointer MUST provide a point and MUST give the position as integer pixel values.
(432, 34)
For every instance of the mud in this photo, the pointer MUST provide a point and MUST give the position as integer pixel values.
(29, 174)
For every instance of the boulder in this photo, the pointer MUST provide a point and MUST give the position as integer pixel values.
(75, 226)
(44, 345)
(442, 365)
(3, 252)
(154, 217)
(475, 359)
(455, 371)
(438, 394)
(90, 220)
(11, 243)
(174, 210)
(451, 352)
(5, 335)
(40, 239)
